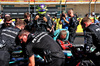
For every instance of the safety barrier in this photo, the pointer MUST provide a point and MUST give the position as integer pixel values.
(59, 26)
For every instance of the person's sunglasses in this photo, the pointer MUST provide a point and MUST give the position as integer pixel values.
(9, 20)
(8, 23)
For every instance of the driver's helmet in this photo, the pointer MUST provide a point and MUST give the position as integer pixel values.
(41, 9)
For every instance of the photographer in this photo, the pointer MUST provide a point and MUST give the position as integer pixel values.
(27, 17)
(7, 41)
(64, 20)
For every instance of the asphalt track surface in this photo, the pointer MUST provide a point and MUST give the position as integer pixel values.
(79, 40)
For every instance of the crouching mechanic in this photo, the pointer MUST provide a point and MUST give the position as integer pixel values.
(92, 38)
(44, 45)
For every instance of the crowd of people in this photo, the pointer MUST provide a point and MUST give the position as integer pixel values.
(37, 36)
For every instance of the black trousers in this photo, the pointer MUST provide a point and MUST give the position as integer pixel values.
(56, 62)
(95, 58)
(4, 58)
(72, 35)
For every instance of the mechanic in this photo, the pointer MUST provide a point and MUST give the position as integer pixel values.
(7, 22)
(92, 38)
(41, 42)
(27, 17)
(73, 23)
(7, 44)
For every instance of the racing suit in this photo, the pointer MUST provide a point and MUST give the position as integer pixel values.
(41, 25)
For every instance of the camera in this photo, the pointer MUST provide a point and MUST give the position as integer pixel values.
(63, 15)
(40, 20)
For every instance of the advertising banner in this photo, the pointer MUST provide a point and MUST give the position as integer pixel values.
(48, 0)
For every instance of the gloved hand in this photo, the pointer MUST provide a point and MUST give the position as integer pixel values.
(87, 48)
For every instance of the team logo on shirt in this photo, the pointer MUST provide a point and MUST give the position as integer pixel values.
(98, 29)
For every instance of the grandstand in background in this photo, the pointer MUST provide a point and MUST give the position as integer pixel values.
(18, 7)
